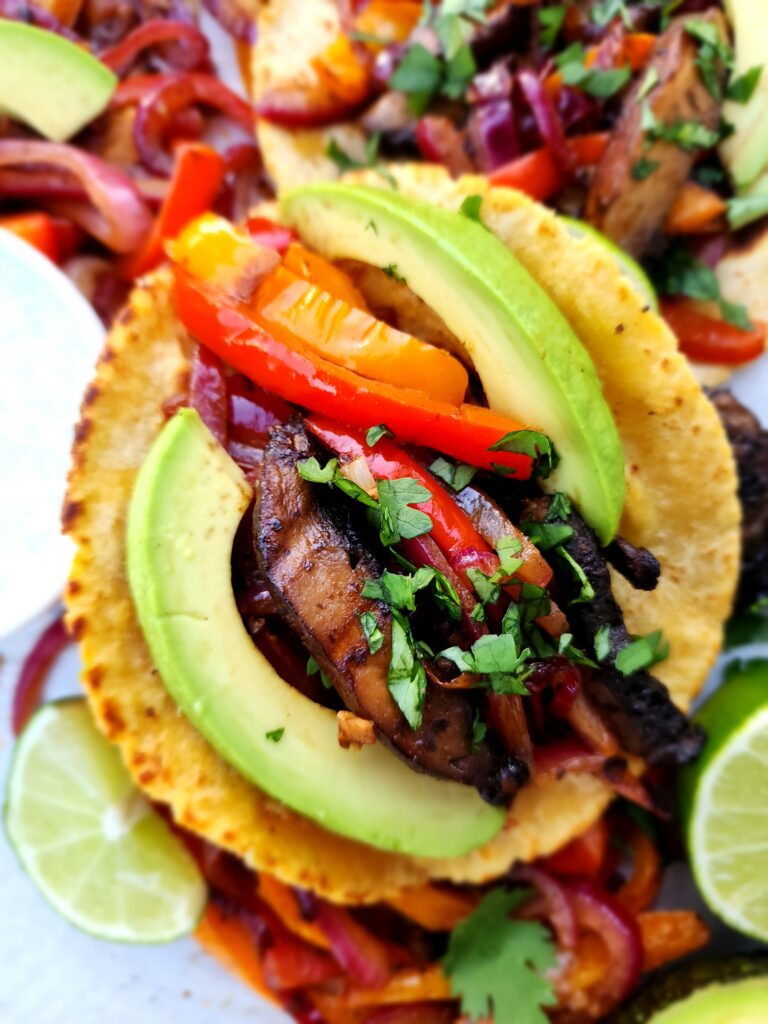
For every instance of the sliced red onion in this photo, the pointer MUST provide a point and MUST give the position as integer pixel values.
(441, 142)
(116, 214)
(169, 94)
(553, 760)
(189, 52)
(547, 120)
(34, 672)
(423, 551)
(559, 908)
(493, 130)
(599, 912)
(234, 18)
(208, 392)
(252, 411)
(40, 184)
(360, 954)
(35, 14)
(494, 84)
(575, 107)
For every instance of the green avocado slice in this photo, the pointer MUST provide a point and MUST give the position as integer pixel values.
(188, 501)
(49, 82)
(531, 363)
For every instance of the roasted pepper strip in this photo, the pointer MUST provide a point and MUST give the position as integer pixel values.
(290, 308)
(465, 432)
(451, 529)
(709, 340)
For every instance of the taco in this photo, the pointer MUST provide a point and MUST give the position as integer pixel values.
(271, 502)
(551, 103)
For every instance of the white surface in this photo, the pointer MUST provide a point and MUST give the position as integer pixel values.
(50, 339)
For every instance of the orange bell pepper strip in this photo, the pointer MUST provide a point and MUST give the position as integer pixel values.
(290, 307)
(451, 529)
(281, 899)
(435, 908)
(228, 939)
(307, 264)
(642, 888)
(198, 172)
(670, 934)
(537, 174)
(709, 340)
(696, 210)
(465, 432)
(36, 229)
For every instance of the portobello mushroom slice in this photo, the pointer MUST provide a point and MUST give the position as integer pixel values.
(316, 568)
(636, 707)
(627, 207)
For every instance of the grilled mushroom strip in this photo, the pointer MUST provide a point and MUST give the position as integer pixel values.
(316, 570)
(631, 211)
(636, 707)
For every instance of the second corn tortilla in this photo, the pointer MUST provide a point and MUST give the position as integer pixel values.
(681, 502)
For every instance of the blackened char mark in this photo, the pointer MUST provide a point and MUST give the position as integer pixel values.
(637, 707)
(750, 449)
(316, 570)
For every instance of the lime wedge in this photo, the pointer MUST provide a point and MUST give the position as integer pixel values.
(90, 841)
(724, 799)
(630, 268)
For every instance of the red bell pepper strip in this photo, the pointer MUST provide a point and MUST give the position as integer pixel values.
(539, 176)
(36, 229)
(584, 856)
(197, 176)
(465, 432)
(709, 340)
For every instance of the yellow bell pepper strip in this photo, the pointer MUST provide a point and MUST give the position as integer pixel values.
(290, 307)
(293, 372)
(307, 264)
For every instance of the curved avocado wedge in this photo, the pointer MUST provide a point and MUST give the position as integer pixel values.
(733, 990)
(188, 501)
(49, 82)
(531, 363)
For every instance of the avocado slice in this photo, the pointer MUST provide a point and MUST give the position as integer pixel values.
(531, 363)
(733, 990)
(50, 83)
(745, 150)
(187, 503)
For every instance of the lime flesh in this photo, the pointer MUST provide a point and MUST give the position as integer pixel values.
(724, 797)
(89, 840)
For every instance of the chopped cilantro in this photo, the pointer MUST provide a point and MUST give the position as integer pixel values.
(497, 965)
(345, 162)
(602, 642)
(459, 71)
(488, 591)
(533, 443)
(419, 75)
(643, 652)
(394, 516)
(506, 548)
(559, 507)
(534, 603)
(275, 735)
(550, 22)
(649, 82)
(374, 434)
(453, 21)
(456, 475)
(740, 90)
(371, 631)
(743, 210)
(547, 535)
(478, 613)
(406, 678)
(313, 668)
(681, 273)
(604, 11)
(497, 657)
(311, 470)
(644, 168)
(574, 654)
(391, 271)
(597, 82)
(396, 590)
(479, 729)
(470, 208)
(587, 591)
(714, 56)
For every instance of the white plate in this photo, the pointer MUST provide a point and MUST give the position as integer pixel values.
(49, 341)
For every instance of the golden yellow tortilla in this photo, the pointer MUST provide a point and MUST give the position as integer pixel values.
(681, 503)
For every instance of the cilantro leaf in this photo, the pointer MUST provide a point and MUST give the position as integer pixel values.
(371, 631)
(396, 590)
(602, 642)
(497, 657)
(644, 168)
(587, 591)
(506, 548)
(547, 535)
(604, 11)
(479, 729)
(486, 589)
(392, 272)
(456, 475)
(740, 90)
(681, 273)
(397, 518)
(470, 208)
(550, 22)
(460, 69)
(643, 652)
(313, 668)
(375, 434)
(596, 82)
(311, 470)
(533, 443)
(496, 964)
(419, 75)
(559, 507)
(713, 56)
(275, 735)
(406, 678)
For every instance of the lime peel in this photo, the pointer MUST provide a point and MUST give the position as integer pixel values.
(90, 841)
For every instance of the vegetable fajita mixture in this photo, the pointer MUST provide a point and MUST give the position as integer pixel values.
(406, 533)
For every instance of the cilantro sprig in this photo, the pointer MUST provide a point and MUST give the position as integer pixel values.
(679, 272)
(456, 475)
(643, 652)
(528, 442)
(496, 964)
(598, 82)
